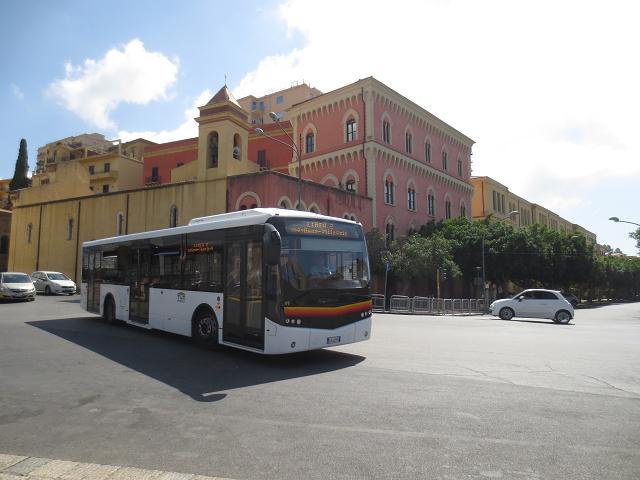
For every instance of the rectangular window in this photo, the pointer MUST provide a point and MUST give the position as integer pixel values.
(70, 229)
(92, 169)
(280, 99)
(495, 202)
(309, 143)
(253, 105)
(262, 158)
(431, 207)
(107, 167)
(154, 174)
(351, 130)
(262, 106)
(105, 188)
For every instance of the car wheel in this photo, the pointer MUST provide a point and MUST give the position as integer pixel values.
(109, 312)
(562, 316)
(506, 313)
(47, 290)
(204, 329)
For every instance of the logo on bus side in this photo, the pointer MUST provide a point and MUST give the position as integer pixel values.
(181, 297)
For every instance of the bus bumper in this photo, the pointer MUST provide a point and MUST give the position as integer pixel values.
(282, 339)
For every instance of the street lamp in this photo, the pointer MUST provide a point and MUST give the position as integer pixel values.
(484, 278)
(276, 118)
(617, 220)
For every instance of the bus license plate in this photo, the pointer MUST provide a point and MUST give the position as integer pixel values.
(331, 340)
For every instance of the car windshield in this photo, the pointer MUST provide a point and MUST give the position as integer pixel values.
(57, 276)
(15, 278)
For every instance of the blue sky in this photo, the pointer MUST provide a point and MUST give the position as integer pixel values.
(547, 89)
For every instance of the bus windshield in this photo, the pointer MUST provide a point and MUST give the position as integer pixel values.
(322, 255)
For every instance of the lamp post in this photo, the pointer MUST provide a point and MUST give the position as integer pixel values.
(617, 220)
(276, 118)
(484, 278)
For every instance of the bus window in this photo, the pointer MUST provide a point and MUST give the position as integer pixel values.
(202, 264)
(165, 262)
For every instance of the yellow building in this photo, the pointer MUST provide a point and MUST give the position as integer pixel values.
(5, 201)
(491, 198)
(52, 219)
(279, 102)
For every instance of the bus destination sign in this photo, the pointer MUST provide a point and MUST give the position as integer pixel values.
(201, 247)
(321, 229)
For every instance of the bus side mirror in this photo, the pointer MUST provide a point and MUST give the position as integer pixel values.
(272, 242)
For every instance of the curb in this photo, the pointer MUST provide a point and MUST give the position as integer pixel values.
(18, 467)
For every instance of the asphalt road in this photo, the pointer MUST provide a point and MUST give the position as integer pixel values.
(426, 397)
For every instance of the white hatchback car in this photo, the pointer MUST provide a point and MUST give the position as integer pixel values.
(535, 303)
(53, 282)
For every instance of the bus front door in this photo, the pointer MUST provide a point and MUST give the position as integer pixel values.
(243, 318)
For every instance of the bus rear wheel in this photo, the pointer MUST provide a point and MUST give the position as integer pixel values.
(109, 312)
(204, 329)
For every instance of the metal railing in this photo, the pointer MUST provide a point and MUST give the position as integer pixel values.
(429, 305)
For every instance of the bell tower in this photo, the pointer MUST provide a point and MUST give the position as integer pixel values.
(223, 137)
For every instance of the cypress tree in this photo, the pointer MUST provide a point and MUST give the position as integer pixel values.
(20, 179)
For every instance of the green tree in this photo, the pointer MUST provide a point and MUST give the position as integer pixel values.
(20, 179)
(636, 236)
(418, 257)
(378, 250)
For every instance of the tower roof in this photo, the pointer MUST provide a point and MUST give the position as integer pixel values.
(223, 95)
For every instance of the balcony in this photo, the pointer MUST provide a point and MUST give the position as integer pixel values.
(102, 175)
(153, 180)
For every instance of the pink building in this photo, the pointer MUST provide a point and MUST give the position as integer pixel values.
(367, 153)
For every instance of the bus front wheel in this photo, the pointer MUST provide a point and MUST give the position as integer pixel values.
(205, 328)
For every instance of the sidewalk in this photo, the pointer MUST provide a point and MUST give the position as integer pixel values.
(16, 467)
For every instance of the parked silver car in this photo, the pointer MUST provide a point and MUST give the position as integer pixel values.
(16, 286)
(51, 283)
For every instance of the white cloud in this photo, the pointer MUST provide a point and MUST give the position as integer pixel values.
(130, 74)
(187, 129)
(17, 91)
(547, 89)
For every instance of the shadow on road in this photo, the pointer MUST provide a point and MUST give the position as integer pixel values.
(174, 360)
(530, 320)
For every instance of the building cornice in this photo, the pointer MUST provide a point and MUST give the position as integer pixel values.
(381, 151)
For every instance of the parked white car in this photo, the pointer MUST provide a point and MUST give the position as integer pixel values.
(51, 283)
(16, 286)
(534, 303)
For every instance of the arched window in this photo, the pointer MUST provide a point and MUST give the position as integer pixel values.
(411, 197)
(243, 207)
(237, 152)
(310, 143)
(390, 231)
(4, 244)
(427, 151)
(447, 208)
(70, 229)
(314, 209)
(459, 167)
(119, 223)
(386, 131)
(431, 204)
(389, 190)
(351, 128)
(463, 210)
(212, 158)
(350, 181)
(29, 232)
(408, 142)
(283, 204)
(445, 160)
(173, 216)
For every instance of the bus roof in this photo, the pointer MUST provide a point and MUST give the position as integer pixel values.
(242, 218)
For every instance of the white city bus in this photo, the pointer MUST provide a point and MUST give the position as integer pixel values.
(266, 280)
